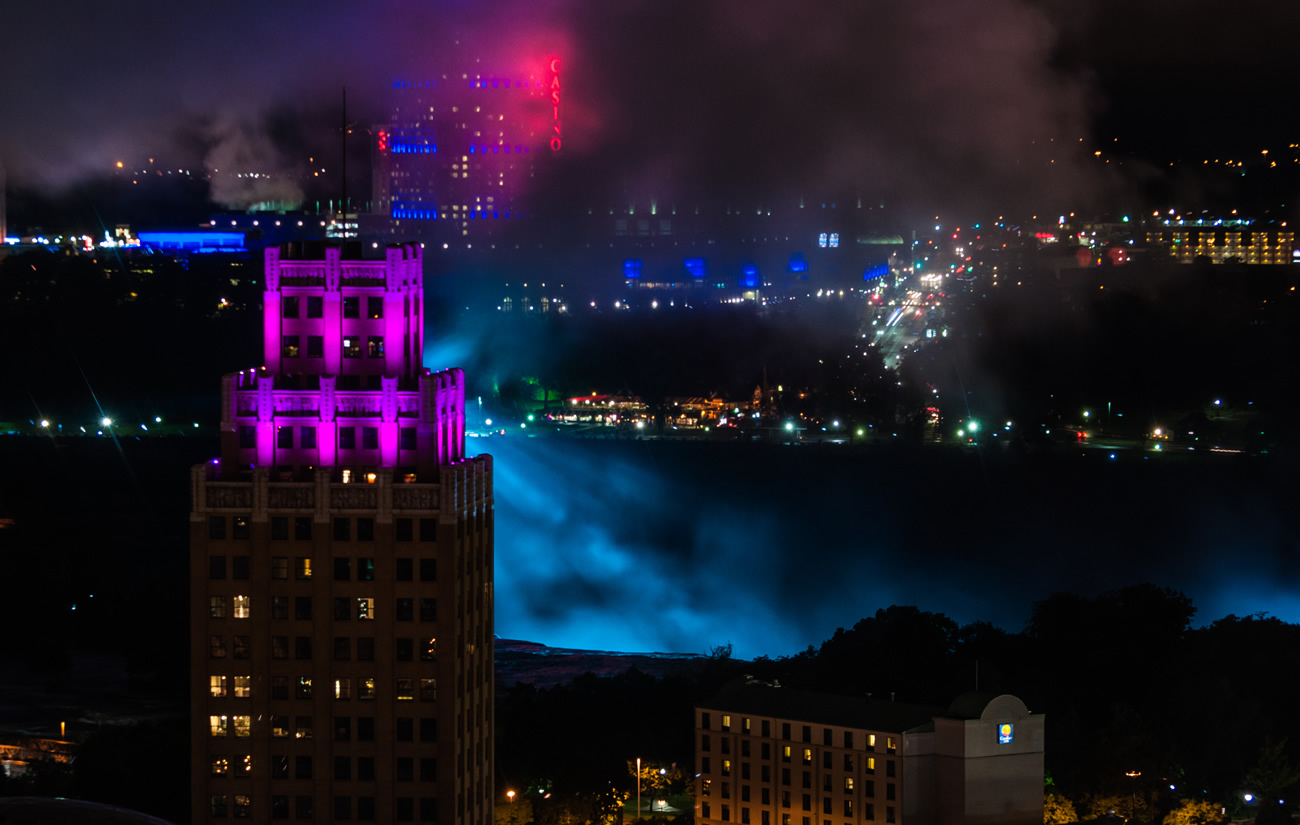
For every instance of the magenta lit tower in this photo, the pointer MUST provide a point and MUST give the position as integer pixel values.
(341, 565)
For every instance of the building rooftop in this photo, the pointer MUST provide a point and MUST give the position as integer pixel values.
(864, 713)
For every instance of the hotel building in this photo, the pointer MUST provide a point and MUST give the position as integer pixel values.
(772, 756)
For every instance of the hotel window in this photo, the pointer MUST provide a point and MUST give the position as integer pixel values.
(302, 726)
(351, 346)
(342, 532)
(240, 530)
(218, 647)
(726, 813)
(889, 790)
(243, 725)
(706, 786)
(404, 650)
(220, 765)
(352, 307)
(365, 608)
(726, 721)
(428, 610)
(889, 814)
(705, 766)
(290, 346)
(217, 566)
(279, 690)
(242, 608)
(302, 566)
(726, 767)
(807, 733)
(217, 607)
(247, 441)
(828, 737)
(428, 690)
(403, 610)
(302, 606)
(217, 524)
(375, 307)
(848, 784)
(848, 761)
(429, 532)
(889, 767)
(218, 686)
(347, 438)
(404, 569)
(785, 753)
(428, 730)
(848, 738)
(765, 750)
(889, 744)
(725, 742)
(871, 764)
(405, 690)
(744, 724)
(302, 689)
(365, 648)
(315, 346)
(370, 438)
(307, 440)
(343, 688)
(218, 805)
(406, 441)
(365, 532)
(807, 802)
(290, 305)
(428, 570)
(404, 528)
(807, 756)
(284, 438)
(243, 687)
(848, 807)
(871, 741)
(302, 647)
(342, 648)
(785, 799)
(785, 730)
(280, 564)
(744, 816)
(704, 810)
(342, 565)
(375, 346)
(315, 306)
(366, 688)
(239, 567)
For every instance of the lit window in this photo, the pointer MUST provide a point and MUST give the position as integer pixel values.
(726, 767)
(428, 690)
(405, 690)
(302, 568)
(302, 727)
(366, 688)
(375, 346)
(220, 766)
(365, 607)
(217, 607)
(218, 647)
(807, 756)
(243, 687)
(241, 805)
(726, 721)
(243, 725)
(352, 346)
(342, 688)
(871, 764)
(241, 607)
(302, 689)
(218, 686)
(848, 783)
(871, 740)
(219, 724)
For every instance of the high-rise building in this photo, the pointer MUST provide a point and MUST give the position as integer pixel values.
(463, 148)
(341, 565)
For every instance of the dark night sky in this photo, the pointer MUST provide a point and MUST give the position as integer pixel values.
(944, 102)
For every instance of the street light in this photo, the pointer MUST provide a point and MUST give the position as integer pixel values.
(511, 796)
(638, 787)
(1133, 805)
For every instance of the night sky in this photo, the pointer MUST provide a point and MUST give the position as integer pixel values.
(953, 105)
(935, 104)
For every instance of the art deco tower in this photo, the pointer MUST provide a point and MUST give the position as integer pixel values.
(341, 565)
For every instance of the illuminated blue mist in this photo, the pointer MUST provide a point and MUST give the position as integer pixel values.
(659, 546)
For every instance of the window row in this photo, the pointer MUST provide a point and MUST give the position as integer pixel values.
(241, 726)
(869, 766)
(291, 347)
(828, 734)
(363, 607)
(306, 437)
(404, 807)
(403, 568)
(346, 768)
(868, 813)
(403, 530)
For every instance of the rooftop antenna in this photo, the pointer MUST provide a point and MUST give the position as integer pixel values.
(343, 203)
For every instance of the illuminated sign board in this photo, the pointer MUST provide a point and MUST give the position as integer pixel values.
(556, 139)
(383, 141)
(696, 266)
(1006, 732)
(632, 268)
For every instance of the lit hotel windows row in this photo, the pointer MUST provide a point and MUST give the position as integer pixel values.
(404, 569)
(404, 689)
(347, 440)
(291, 307)
(404, 611)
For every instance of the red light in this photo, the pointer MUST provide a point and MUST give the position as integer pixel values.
(383, 141)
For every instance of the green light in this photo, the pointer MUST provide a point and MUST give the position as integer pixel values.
(974, 426)
(530, 416)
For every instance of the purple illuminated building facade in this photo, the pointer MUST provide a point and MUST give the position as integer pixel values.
(341, 565)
